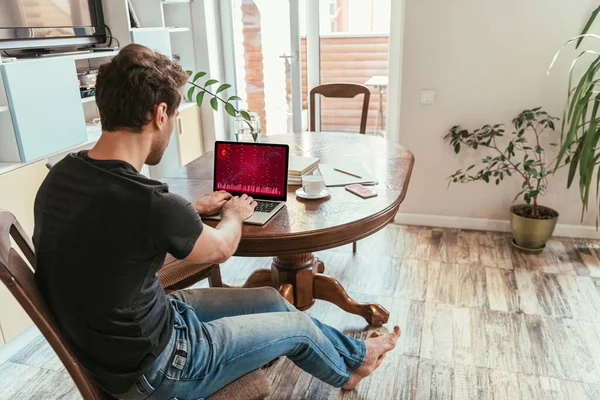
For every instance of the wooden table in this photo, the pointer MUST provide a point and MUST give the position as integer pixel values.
(306, 226)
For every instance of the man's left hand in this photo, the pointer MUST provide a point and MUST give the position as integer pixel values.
(212, 202)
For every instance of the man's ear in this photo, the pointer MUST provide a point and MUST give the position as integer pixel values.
(160, 115)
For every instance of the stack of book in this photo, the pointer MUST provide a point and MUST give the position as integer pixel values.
(300, 166)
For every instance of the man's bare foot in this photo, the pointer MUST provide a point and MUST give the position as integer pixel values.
(375, 334)
(378, 345)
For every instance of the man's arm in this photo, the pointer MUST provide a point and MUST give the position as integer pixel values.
(217, 245)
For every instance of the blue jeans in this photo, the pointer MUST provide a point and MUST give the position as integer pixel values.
(221, 335)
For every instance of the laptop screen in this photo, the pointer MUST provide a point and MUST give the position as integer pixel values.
(256, 169)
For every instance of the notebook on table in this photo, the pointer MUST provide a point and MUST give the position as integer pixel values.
(301, 165)
(337, 178)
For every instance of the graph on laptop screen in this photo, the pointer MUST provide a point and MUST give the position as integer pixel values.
(251, 169)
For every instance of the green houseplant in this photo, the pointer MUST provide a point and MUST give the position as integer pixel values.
(580, 131)
(197, 92)
(521, 155)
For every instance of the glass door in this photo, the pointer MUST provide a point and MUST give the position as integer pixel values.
(265, 64)
(283, 49)
(352, 42)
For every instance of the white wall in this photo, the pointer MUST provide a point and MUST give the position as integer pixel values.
(487, 61)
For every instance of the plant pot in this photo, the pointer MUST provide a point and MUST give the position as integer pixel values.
(531, 234)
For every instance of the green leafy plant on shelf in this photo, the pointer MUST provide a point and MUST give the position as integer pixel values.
(198, 92)
(581, 118)
(518, 156)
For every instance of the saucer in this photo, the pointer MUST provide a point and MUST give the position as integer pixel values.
(324, 193)
(526, 250)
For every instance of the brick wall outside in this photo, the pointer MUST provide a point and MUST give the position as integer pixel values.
(253, 60)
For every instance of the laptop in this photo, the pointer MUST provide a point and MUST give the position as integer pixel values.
(256, 169)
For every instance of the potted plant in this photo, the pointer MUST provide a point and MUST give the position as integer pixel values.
(581, 120)
(197, 92)
(522, 155)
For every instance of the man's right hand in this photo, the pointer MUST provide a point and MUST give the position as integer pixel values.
(242, 207)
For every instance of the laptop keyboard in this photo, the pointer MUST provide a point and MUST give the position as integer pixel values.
(265, 206)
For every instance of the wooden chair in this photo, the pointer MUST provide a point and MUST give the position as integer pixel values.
(18, 277)
(341, 90)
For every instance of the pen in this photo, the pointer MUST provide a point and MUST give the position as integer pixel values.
(348, 173)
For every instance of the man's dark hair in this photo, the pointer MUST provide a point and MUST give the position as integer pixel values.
(133, 83)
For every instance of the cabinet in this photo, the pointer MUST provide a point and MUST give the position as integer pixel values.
(21, 186)
(189, 132)
(48, 120)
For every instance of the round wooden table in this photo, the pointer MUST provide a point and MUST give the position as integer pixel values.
(306, 226)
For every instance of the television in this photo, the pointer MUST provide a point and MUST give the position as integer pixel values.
(45, 24)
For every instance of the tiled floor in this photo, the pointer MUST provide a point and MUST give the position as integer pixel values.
(479, 321)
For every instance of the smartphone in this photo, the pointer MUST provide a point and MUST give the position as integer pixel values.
(361, 191)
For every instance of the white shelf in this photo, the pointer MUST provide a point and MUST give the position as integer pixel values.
(154, 28)
(179, 29)
(88, 99)
(3, 108)
(176, 1)
(100, 54)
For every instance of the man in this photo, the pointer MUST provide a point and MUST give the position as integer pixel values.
(102, 231)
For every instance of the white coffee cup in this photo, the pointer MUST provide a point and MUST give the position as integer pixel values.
(313, 184)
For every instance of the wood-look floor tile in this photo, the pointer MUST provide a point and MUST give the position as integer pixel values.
(436, 380)
(441, 280)
(437, 248)
(501, 341)
(412, 280)
(496, 289)
(479, 337)
(458, 247)
(589, 258)
(574, 390)
(525, 356)
(543, 346)
(504, 385)
(487, 252)
(593, 391)
(575, 355)
(589, 294)
(436, 339)
(502, 250)
(13, 377)
(409, 315)
(368, 275)
(471, 383)
(551, 388)
(471, 286)
(529, 387)
(527, 293)
(461, 336)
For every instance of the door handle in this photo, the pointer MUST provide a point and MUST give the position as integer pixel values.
(292, 57)
(180, 125)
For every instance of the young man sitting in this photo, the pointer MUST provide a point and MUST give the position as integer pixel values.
(102, 231)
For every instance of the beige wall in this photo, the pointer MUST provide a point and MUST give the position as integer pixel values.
(487, 61)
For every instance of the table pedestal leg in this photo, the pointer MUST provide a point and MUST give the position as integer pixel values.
(299, 278)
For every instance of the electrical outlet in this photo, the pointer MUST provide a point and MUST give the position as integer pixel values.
(427, 97)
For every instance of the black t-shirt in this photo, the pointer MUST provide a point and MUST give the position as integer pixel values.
(102, 231)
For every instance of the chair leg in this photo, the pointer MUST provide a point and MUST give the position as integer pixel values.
(354, 248)
(214, 279)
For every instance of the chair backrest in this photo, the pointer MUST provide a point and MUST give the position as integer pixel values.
(19, 279)
(341, 90)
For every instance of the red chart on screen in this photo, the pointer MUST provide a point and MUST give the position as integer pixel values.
(251, 169)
